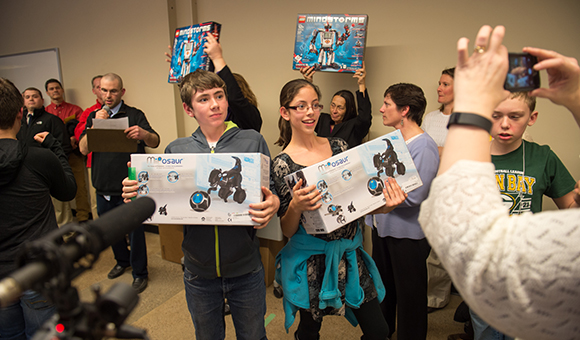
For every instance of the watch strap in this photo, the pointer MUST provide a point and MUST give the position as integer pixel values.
(463, 118)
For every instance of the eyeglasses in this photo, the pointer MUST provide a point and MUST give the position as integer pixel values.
(333, 106)
(303, 108)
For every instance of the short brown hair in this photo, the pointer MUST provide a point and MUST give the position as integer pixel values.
(411, 95)
(93, 80)
(11, 102)
(529, 100)
(50, 81)
(33, 89)
(199, 80)
(113, 76)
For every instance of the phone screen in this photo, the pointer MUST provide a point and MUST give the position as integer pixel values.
(521, 75)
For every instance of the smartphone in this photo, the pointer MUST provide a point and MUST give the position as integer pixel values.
(521, 75)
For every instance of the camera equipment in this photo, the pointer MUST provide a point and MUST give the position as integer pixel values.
(47, 265)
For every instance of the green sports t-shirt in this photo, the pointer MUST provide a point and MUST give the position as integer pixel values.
(522, 188)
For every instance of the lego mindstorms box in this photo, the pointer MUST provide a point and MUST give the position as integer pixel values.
(351, 183)
(188, 54)
(214, 189)
(330, 42)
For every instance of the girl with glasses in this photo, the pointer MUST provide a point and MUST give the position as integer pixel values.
(323, 274)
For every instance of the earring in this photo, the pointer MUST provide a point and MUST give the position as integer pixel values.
(401, 122)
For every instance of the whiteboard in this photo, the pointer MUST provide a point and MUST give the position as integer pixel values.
(31, 69)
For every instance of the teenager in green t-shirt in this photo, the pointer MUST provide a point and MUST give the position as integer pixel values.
(524, 171)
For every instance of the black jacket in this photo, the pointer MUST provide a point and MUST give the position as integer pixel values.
(353, 130)
(43, 121)
(226, 251)
(240, 111)
(28, 177)
(110, 168)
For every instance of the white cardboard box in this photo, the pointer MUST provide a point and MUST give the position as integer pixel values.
(351, 183)
(214, 189)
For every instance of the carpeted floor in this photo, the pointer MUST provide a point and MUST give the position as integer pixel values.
(162, 309)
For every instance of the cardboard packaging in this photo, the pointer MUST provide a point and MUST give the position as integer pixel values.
(330, 42)
(214, 189)
(352, 182)
(110, 140)
(188, 54)
(170, 238)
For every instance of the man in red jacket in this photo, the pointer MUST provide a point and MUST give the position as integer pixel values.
(69, 113)
(96, 84)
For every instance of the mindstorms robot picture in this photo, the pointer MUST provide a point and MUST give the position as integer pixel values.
(329, 41)
(333, 42)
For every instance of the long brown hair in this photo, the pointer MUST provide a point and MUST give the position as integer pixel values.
(287, 94)
(350, 104)
(450, 72)
(246, 90)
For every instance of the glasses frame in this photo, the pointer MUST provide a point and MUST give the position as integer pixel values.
(308, 107)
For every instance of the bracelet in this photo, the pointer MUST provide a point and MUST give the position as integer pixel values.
(463, 118)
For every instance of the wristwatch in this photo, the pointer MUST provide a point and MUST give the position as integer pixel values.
(463, 118)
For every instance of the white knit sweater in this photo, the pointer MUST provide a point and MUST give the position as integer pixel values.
(520, 273)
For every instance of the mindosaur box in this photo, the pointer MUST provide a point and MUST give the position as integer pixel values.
(330, 42)
(188, 54)
(351, 183)
(210, 188)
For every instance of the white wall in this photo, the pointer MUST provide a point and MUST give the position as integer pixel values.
(408, 41)
(127, 37)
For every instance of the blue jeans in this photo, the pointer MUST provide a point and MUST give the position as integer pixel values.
(483, 331)
(22, 319)
(137, 257)
(246, 296)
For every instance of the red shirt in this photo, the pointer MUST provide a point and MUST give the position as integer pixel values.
(83, 123)
(64, 111)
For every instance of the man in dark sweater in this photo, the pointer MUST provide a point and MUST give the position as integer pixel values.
(29, 176)
(35, 119)
(110, 168)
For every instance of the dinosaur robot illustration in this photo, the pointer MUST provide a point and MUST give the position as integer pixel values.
(228, 182)
(388, 161)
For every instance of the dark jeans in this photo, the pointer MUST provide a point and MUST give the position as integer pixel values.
(484, 331)
(246, 296)
(369, 317)
(403, 268)
(21, 320)
(137, 257)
